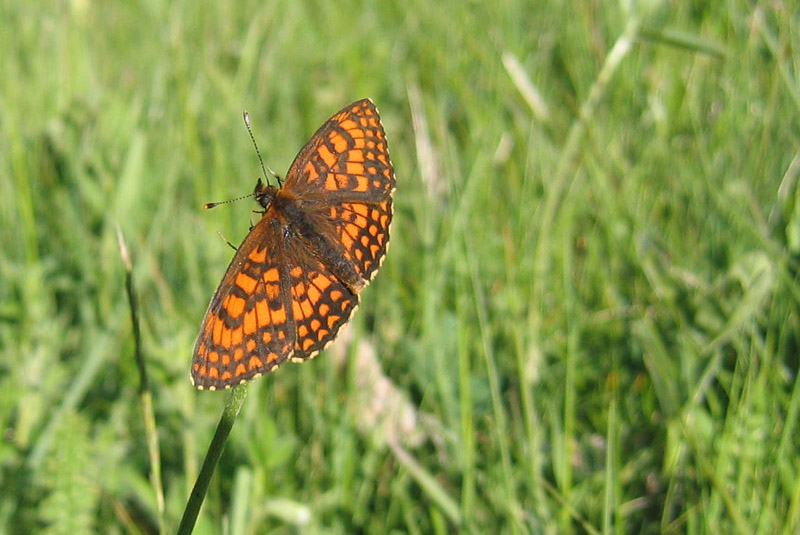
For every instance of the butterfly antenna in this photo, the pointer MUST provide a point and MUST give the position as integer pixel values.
(210, 205)
(258, 153)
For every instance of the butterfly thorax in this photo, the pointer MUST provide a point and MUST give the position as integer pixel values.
(300, 223)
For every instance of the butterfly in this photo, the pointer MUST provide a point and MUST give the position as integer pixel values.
(296, 278)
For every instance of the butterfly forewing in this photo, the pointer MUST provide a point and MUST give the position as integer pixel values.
(248, 329)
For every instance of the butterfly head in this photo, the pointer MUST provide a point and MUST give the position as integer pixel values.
(264, 194)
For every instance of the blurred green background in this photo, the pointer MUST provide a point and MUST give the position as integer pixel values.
(587, 321)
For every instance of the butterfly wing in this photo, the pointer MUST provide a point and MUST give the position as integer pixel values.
(247, 330)
(321, 303)
(346, 179)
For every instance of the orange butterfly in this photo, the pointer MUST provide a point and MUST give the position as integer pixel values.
(296, 277)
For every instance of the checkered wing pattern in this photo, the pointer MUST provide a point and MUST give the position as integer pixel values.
(347, 164)
(321, 304)
(248, 328)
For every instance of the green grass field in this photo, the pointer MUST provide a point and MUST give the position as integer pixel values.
(587, 321)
